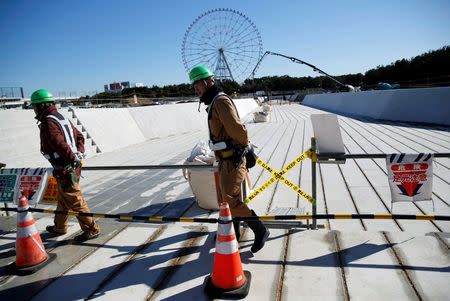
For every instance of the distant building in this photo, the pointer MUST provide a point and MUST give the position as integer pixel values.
(125, 85)
(11, 92)
(11, 97)
(117, 87)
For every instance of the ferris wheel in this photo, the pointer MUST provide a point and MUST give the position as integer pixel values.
(224, 40)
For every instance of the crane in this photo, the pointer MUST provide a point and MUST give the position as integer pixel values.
(298, 61)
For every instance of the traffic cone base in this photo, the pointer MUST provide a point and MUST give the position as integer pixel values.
(227, 279)
(13, 269)
(239, 292)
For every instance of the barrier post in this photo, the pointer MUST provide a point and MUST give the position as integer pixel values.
(3, 165)
(314, 183)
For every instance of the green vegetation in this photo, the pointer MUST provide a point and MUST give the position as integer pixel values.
(433, 66)
(429, 69)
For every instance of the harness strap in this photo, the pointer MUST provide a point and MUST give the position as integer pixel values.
(218, 145)
(68, 134)
(51, 156)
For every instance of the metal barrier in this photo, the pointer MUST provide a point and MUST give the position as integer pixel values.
(239, 218)
(340, 159)
(194, 166)
(310, 153)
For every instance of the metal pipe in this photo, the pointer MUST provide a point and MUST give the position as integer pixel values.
(368, 156)
(314, 184)
(125, 167)
(264, 218)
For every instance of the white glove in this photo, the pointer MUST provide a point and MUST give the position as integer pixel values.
(80, 156)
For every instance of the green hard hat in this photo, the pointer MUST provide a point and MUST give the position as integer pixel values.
(41, 95)
(198, 73)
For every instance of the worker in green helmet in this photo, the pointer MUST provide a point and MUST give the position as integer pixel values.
(63, 145)
(229, 140)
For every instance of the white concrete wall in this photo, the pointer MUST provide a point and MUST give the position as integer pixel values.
(111, 129)
(246, 106)
(431, 105)
(165, 120)
(116, 128)
(19, 137)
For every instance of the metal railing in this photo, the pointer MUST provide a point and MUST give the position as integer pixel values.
(334, 158)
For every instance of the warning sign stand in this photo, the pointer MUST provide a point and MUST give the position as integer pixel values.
(3, 165)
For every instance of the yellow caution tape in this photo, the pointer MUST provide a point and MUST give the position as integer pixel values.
(279, 176)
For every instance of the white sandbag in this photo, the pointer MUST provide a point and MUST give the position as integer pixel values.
(203, 183)
(266, 108)
(261, 117)
(202, 151)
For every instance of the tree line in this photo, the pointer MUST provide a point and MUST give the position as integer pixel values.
(431, 68)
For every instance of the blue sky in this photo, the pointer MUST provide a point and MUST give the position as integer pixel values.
(78, 46)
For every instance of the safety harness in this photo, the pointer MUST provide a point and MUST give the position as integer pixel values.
(68, 134)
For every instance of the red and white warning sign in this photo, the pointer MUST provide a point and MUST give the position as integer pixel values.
(28, 182)
(410, 177)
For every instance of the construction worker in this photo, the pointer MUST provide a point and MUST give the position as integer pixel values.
(228, 139)
(63, 145)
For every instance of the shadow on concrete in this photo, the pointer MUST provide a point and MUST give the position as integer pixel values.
(139, 271)
(196, 293)
(348, 256)
(175, 208)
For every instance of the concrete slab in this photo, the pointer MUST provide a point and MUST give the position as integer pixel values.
(25, 287)
(317, 265)
(370, 267)
(427, 266)
(312, 267)
(143, 274)
(86, 277)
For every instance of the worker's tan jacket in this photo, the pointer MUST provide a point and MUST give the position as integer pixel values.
(224, 122)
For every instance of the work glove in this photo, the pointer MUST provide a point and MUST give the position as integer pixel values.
(76, 163)
(249, 153)
(250, 156)
(80, 156)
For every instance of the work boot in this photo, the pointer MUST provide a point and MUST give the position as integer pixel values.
(261, 234)
(51, 229)
(85, 236)
(237, 230)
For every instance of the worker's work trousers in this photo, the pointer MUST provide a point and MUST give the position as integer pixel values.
(70, 199)
(230, 181)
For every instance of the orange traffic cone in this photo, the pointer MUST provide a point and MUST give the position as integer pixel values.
(228, 279)
(30, 252)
